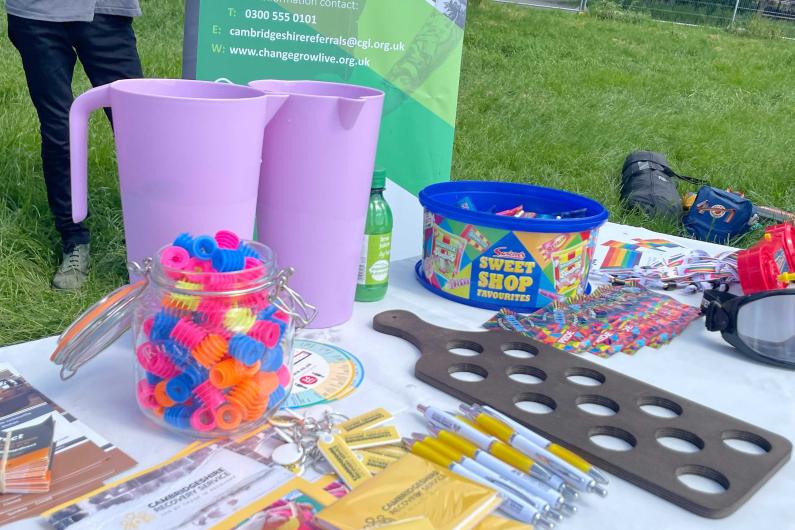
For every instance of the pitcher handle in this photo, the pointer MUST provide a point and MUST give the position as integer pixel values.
(82, 107)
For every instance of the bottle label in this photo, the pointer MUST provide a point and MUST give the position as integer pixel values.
(374, 264)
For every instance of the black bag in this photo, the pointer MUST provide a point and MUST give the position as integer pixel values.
(647, 183)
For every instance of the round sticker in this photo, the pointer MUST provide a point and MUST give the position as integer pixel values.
(321, 372)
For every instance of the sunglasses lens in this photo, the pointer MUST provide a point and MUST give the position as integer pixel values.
(767, 326)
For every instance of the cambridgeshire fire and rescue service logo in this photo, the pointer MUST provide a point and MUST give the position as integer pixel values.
(717, 211)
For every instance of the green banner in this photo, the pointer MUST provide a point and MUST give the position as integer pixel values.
(410, 49)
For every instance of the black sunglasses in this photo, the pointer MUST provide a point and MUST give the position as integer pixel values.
(761, 326)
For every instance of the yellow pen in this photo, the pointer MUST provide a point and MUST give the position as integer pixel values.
(512, 505)
(464, 448)
(489, 444)
(558, 458)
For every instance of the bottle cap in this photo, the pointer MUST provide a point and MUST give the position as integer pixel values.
(379, 179)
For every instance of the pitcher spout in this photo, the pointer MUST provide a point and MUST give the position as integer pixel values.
(349, 110)
(275, 103)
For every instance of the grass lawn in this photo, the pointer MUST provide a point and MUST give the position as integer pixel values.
(546, 97)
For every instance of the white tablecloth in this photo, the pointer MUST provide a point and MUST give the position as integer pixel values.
(697, 365)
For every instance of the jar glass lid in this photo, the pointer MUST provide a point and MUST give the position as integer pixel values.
(96, 329)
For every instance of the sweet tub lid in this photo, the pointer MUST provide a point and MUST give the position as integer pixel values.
(96, 329)
(441, 198)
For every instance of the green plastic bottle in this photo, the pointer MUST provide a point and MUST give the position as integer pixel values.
(374, 266)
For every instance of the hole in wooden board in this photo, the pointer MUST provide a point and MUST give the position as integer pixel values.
(519, 350)
(679, 440)
(612, 438)
(584, 376)
(464, 348)
(659, 407)
(469, 373)
(527, 375)
(703, 479)
(597, 405)
(746, 442)
(534, 403)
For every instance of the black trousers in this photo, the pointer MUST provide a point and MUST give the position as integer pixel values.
(106, 48)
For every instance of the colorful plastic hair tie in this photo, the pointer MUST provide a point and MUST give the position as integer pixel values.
(161, 395)
(204, 247)
(227, 240)
(266, 383)
(147, 326)
(188, 334)
(178, 354)
(162, 325)
(178, 389)
(186, 301)
(185, 241)
(245, 349)
(211, 350)
(230, 372)
(268, 333)
(225, 260)
(203, 420)
(155, 361)
(249, 252)
(276, 398)
(209, 395)
(152, 379)
(239, 319)
(178, 416)
(174, 257)
(273, 359)
(229, 417)
(284, 375)
(146, 395)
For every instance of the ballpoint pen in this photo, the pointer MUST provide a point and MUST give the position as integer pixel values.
(512, 505)
(537, 502)
(557, 450)
(492, 446)
(536, 487)
(511, 436)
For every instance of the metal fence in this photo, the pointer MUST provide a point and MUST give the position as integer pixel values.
(566, 5)
(775, 17)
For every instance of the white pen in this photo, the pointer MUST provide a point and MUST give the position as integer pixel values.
(510, 435)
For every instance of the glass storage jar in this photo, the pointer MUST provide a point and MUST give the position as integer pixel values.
(213, 350)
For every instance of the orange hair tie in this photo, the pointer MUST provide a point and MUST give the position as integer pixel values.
(161, 396)
(230, 372)
(266, 383)
(211, 350)
(229, 416)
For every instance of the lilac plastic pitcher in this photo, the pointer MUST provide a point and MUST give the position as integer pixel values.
(317, 166)
(188, 156)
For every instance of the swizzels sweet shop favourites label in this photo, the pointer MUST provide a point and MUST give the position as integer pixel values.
(496, 268)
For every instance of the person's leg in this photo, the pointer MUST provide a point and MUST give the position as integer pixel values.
(48, 60)
(107, 49)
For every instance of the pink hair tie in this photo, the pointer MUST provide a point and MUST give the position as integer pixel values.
(146, 395)
(281, 315)
(203, 420)
(187, 333)
(147, 327)
(284, 375)
(227, 239)
(266, 332)
(196, 270)
(209, 395)
(174, 257)
(219, 281)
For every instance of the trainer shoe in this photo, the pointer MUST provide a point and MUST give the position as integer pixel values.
(73, 271)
